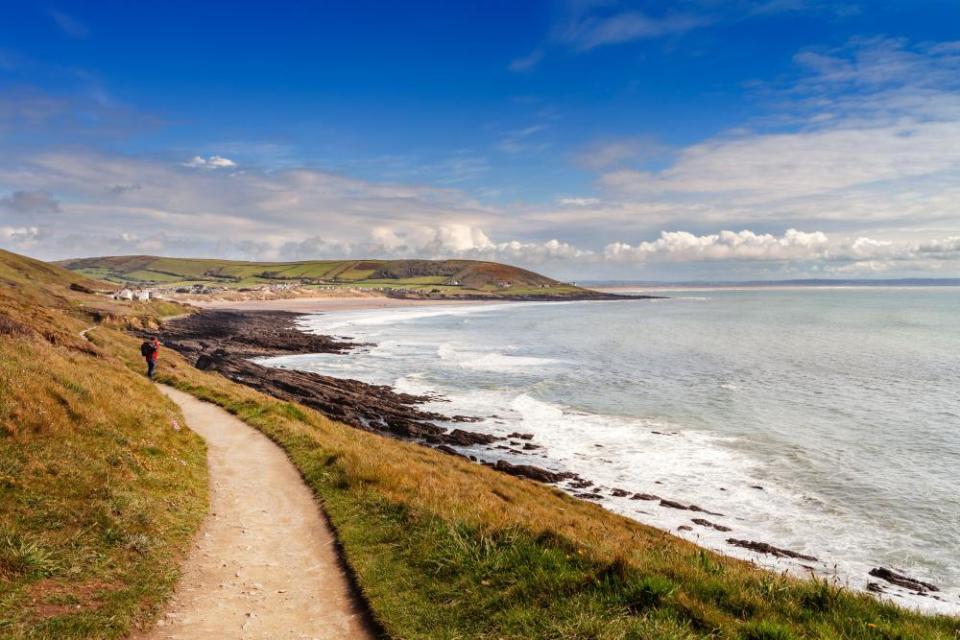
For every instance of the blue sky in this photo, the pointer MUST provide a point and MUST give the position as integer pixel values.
(698, 138)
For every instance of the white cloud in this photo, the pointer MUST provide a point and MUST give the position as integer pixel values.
(860, 155)
(579, 202)
(213, 162)
(792, 246)
(604, 154)
(21, 234)
(770, 167)
(519, 140)
(23, 239)
(593, 31)
(871, 131)
(682, 246)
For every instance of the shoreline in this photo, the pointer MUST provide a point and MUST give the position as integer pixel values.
(329, 304)
(419, 427)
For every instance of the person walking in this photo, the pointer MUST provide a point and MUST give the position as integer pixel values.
(150, 350)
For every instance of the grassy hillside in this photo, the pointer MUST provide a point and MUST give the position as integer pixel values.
(444, 548)
(450, 277)
(98, 494)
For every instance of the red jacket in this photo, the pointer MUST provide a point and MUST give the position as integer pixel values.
(156, 352)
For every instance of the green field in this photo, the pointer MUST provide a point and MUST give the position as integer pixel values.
(445, 278)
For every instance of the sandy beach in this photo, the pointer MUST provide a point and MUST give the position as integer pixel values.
(326, 304)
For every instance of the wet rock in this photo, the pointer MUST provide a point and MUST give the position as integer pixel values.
(763, 547)
(588, 496)
(757, 487)
(694, 507)
(875, 587)
(527, 446)
(250, 333)
(901, 580)
(223, 341)
(711, 525)
(532, 472)
(449, 450)
(644, 496)
(684, 527)
(581, 484)
(463, 438)
(520, 436)
(619, 493)
(672, 504)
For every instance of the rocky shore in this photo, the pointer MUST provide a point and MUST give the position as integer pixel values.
(226, 340)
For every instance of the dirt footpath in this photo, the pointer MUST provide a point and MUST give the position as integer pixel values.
(264, 565)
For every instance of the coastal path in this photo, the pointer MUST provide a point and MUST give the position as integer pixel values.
(264, 564)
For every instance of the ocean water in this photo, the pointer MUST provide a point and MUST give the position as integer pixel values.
(825, 421)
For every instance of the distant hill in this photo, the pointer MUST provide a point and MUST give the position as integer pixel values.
(449, 278)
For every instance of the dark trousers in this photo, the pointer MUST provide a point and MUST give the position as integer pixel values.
(151, 367)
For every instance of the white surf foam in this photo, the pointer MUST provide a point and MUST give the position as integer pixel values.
(644, 455)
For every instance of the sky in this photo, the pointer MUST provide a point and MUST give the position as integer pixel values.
(586, 139)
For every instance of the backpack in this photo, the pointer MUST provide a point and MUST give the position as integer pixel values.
(147, 349)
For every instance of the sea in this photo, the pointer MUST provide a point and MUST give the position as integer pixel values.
(821, 420)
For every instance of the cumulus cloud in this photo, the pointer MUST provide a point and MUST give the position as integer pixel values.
(22, 239)
(793, 246)
(682, 246)
(213, 162)
(26, 202)
(21, 234)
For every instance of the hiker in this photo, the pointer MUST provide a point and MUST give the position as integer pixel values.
(150, 349)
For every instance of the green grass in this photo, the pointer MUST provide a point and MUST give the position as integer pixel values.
(476, 278)
(99, 495)
(443, 548)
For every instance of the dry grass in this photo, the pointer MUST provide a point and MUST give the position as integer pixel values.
(98, 494)
(444, 548)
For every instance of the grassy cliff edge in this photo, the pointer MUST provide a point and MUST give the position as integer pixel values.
(100, 494)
